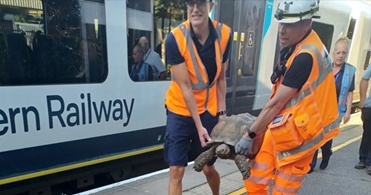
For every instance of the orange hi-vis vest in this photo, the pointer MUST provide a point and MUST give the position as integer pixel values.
(205, 91)
(310, 118)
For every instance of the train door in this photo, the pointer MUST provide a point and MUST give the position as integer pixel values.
(246, 18)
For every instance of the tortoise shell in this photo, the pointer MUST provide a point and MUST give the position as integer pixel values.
(232, 129)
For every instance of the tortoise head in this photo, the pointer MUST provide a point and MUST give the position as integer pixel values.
(223, 151)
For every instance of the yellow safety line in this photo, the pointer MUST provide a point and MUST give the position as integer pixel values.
(238, 192)
(336, 148)
(78, 165)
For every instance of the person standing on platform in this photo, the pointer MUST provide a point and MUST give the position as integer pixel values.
(365, 105)
(344, 81)
(301, 114)
(197, 51)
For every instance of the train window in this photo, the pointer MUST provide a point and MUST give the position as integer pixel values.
(367, 60)
(368, 57)
(52, 42)
(352, 24)
(142, 5)
(153, 24)
(96, 1)
(228, 19)
(325, 33)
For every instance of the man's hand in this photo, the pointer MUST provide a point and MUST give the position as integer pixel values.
(204, 135)
(346, 117)
(361, 104)
(243, 146)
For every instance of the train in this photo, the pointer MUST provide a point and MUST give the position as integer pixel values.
(71, 115)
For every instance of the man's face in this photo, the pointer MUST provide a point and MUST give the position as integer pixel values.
(198, 11)
(137, 56)
(291, 33)
(340, 53)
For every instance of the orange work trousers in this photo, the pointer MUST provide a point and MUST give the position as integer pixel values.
(286, 179)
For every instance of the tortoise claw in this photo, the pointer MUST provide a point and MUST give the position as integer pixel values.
(203, 159)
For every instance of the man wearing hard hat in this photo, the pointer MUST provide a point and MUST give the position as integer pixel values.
(301, 114)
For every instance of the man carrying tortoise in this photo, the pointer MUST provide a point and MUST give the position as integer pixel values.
(301, 114)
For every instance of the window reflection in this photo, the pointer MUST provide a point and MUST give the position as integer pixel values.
(325, 33)
(49, 42)
(142, 5)
(167, 15)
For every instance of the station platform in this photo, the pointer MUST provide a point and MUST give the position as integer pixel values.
(340, 177)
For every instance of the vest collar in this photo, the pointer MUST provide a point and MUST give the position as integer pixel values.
(343, 67)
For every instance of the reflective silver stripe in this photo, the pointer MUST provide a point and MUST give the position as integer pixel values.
(218, 30)
(332, 125)
(258, 165)
(321, 77)
(293, 101)
(259, 180)
(200, 82)
(284, 190)
(311, 143)
(290, 177)
(219, 33)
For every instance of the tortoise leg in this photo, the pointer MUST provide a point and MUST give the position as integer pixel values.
(204, 158)
(242, 165)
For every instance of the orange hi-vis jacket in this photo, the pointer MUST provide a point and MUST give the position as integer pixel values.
(205, 92)
(310, 118)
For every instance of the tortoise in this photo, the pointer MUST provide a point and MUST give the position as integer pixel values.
(224, 138)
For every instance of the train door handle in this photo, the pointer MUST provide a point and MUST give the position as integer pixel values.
(240, 51)
(239, 72)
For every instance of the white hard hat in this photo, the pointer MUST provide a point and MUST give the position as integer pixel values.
(291, 11)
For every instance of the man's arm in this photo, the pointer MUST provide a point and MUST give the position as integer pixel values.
(272, 108)
(349, 101)
(150, 73)
(293, 81)
(364, 85)
(221, 83)
(160, 67)
(181, 77)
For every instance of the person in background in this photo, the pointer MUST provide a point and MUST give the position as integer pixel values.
(140, 71)
(365, 105)
(152, 58)
(344, 80)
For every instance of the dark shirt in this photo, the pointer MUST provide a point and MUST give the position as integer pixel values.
(135, 71)
(339, 81)
(300, 69)
(206, 51)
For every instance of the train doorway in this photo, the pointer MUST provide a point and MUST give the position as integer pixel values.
(246, 18)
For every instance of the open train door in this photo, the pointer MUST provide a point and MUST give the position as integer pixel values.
(246, 18)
